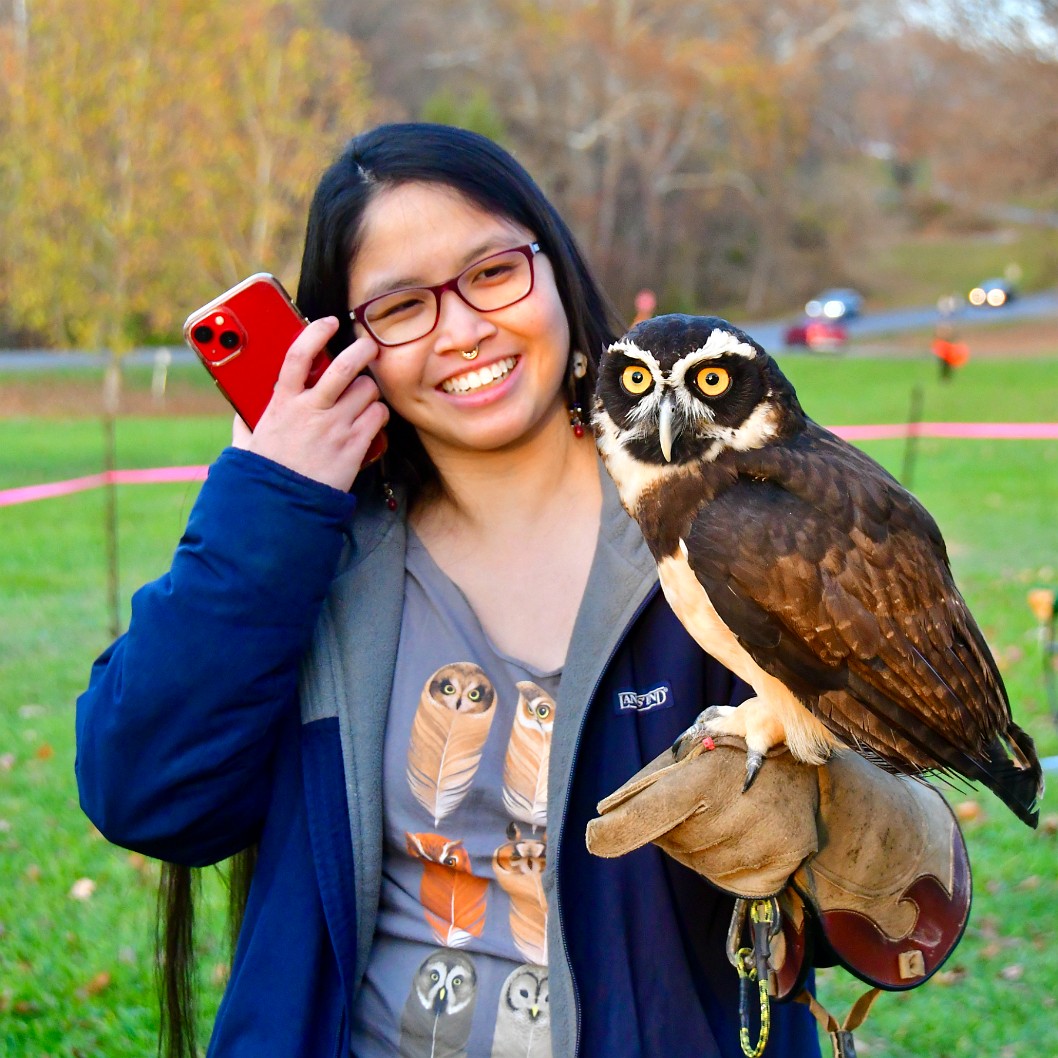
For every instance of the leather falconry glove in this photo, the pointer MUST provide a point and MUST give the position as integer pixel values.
(876, 861)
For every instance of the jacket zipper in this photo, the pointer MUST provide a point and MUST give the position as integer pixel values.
(565, 810)
(339, 1043)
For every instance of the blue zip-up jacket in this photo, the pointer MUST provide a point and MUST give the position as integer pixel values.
(247, 703)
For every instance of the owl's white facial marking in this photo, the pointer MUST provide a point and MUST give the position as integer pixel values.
(630, 349)
(633, 477)
(761, 426)
(723, 343)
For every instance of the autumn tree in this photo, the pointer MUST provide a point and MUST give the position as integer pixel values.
(674, 136)
(161, 154)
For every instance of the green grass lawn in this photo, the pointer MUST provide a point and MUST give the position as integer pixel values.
(75, 975)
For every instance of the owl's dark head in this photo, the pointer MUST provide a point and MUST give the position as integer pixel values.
(676, 389)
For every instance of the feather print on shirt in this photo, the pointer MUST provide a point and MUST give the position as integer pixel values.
(528, 753)
(447, 736)
(452, 898)
(519, 868)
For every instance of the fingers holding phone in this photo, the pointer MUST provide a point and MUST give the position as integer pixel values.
(324, 431)
(268, 361)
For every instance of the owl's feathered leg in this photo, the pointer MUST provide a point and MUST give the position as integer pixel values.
(762, 724)
(704, 726)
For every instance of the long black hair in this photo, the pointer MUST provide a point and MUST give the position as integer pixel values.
(387, 156)
(487, 176)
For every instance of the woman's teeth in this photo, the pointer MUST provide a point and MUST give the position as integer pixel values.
(482, 377)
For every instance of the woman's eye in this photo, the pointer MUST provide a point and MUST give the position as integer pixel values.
(636, 379)
(493, 271)
(404, 305)
(713, 381)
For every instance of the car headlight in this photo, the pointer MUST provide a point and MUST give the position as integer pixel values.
(977, 296)
(834, 310)
(996, 298)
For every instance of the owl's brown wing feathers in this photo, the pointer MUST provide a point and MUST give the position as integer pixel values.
(836, 581)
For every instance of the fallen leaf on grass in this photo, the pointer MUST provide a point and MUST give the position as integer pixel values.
(1013, 972)
(1008, 656)
(99, 983)
(5, 826)
(1026, 884)
(82, 889)
(969, 811)
(44, 751)
(127, 955)
(1049, 825)
(947, 978)
(32, 873)
(220, 974)
(7, 761)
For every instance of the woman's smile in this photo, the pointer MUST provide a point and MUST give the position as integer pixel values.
(481, 377)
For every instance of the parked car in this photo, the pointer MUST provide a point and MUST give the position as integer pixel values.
(838, 304)
(993, 293)
(823, 336)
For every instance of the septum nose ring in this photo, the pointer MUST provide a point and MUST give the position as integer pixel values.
(470, 354)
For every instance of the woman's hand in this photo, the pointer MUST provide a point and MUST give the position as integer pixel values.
(323, 431)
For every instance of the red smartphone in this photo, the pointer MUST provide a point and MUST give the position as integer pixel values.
(242, 338)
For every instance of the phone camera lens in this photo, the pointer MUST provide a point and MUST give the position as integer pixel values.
(228, 339)
(202, 334)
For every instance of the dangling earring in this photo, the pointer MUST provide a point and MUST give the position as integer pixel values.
(576, 421)
(578, 368)
(389, 497)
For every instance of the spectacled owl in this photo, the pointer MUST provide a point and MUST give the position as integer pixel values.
(803, 566)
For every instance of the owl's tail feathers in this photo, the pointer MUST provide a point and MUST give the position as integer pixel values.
(1017, 782)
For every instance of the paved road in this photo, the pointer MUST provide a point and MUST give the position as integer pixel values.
(768, 333)
(1031, 306)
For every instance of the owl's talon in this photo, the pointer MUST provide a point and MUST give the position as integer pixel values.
(697, 732)
(754, 760)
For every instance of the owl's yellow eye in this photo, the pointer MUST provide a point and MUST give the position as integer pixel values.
(475, 695)
(636, 379)
(544, 712)
(713, 381)
(448, 689)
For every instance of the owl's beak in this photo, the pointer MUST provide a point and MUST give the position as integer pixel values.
(665, 427)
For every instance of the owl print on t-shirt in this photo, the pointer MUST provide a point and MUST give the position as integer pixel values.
(449, 732)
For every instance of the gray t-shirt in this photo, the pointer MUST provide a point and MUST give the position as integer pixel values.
(458, 967)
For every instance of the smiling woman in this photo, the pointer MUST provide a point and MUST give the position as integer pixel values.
(393, 692)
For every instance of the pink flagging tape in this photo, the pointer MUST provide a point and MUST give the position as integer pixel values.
(987, 431)
(28, 493)
(1000, 431)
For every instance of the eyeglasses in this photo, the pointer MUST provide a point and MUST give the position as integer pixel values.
(406, 315)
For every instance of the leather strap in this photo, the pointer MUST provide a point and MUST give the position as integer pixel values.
(840, 1035)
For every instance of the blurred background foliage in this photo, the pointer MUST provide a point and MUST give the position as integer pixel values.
(731, 156)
